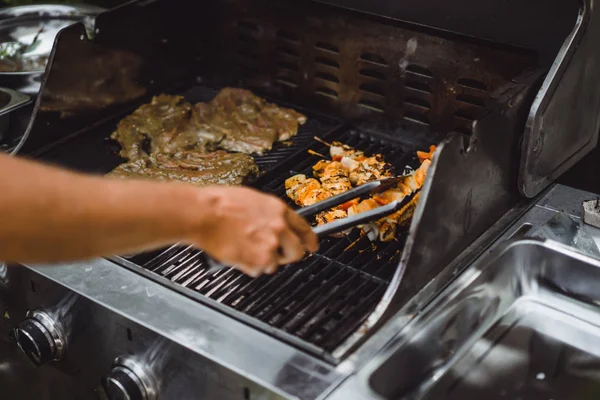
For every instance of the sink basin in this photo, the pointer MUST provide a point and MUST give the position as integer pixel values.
(523, 323)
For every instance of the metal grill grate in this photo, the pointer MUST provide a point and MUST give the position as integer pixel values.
(322, 299)
(318, 300)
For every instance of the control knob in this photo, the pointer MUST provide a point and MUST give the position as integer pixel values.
(40, 338)
(128, 381)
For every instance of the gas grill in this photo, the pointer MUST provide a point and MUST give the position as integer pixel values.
(381, 80)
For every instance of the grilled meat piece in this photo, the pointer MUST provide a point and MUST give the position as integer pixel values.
(234, 120)
(158, 121)
(403, 216)
(305, 191)
(366, 169)
(423, 155)
(199, 169)
(251, 125)
(202, 132)
(326, 217)
(181, 136)
(333, 176)
(410, 184)
(339, 150)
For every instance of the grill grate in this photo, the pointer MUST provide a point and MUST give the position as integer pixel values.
(320, 300)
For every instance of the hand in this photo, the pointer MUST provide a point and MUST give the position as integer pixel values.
(253, 232)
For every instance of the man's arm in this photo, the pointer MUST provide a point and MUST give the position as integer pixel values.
(49, 214)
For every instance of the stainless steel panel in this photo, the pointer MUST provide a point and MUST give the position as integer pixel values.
(520, 221)
(564, 120)
(19, 379)
(523, 322)
(107, 312)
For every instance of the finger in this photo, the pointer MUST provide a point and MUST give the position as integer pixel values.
(263, 252)
(271, 269)
(300, 226)
(291, 249)
(252, 272)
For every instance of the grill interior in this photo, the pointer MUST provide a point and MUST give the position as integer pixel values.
(322, 299)
(376, 84)
(315, 304)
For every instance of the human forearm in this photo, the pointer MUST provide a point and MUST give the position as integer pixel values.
(48, 214)
(53, 215)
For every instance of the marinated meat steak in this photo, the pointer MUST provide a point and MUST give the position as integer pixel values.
(199, 169)
(181, 137)
(197, 133)
(250, 124)
(235, 120)
(158, 121)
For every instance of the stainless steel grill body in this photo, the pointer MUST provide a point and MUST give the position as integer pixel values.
(374, 81)
(383, 86)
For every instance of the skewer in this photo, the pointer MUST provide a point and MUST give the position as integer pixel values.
(351, 245)
(413, 184)
(318, 139)
(314, 153)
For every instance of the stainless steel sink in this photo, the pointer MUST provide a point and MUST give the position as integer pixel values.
(524, 323)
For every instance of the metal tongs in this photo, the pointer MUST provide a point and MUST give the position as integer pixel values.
(375, 214)
(343, 224)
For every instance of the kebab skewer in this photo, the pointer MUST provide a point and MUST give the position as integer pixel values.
(350, 167)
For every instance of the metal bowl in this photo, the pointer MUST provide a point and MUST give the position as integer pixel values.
(27, 35)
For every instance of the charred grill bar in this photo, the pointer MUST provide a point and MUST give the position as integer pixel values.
(365, 78)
